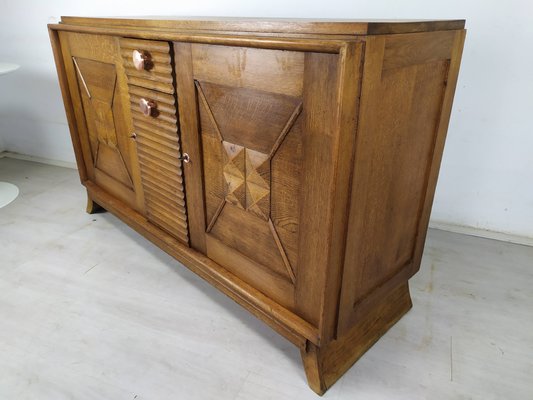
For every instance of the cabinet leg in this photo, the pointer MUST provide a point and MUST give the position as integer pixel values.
(324, 365)
(314, 372)
(92, 206)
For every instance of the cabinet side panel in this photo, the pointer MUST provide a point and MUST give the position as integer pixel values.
(67, 101)
(442, 130)
(405, 84)
(80, 136)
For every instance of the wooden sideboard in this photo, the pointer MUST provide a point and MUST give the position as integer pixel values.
(290, 163)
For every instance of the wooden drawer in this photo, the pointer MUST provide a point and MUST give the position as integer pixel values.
(158, 72)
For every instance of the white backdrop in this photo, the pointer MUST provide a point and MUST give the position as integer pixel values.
(486, 180)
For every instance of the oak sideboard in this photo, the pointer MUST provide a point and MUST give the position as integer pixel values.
(292, 164)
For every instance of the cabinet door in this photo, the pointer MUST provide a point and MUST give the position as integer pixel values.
(156, 135)
(99, 92)
(252, 113)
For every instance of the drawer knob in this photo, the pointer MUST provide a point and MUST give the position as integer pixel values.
(148, 108)
(142, 60)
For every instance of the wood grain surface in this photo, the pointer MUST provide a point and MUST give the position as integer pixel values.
(312, 148)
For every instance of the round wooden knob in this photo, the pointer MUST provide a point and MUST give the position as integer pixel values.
(142, 60)
(148, 107)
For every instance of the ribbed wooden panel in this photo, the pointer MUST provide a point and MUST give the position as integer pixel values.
(158, 152)
(157, 78)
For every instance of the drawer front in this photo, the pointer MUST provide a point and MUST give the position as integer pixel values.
(147, 64)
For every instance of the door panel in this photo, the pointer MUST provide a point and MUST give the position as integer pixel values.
(100, 110)
(261, 127)
(157, 136)
(249, 111)
(242, 132)
(96, 81)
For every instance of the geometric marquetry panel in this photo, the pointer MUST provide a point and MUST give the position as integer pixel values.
(97, 82)
(258, 183)
(247, 178)
(245, 134)
(235, 174)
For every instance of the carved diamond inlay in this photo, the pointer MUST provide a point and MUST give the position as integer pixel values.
(234, 174)
(262, 121)
(247, 176)
(258, 183)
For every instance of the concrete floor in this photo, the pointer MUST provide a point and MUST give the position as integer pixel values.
(91, 310)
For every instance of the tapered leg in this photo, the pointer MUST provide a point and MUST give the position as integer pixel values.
(92, 206)
(313, 369)
(326, 364)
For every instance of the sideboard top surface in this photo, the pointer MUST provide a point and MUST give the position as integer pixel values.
(270, 25)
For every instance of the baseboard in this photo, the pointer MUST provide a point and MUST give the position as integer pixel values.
(483, 233)
(57, 163)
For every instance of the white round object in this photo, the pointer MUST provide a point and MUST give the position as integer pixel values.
(8, 193)
(8, 67)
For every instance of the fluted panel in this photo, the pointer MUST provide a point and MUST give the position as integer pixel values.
(157, 138)
(159, 76)
(158, 151)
